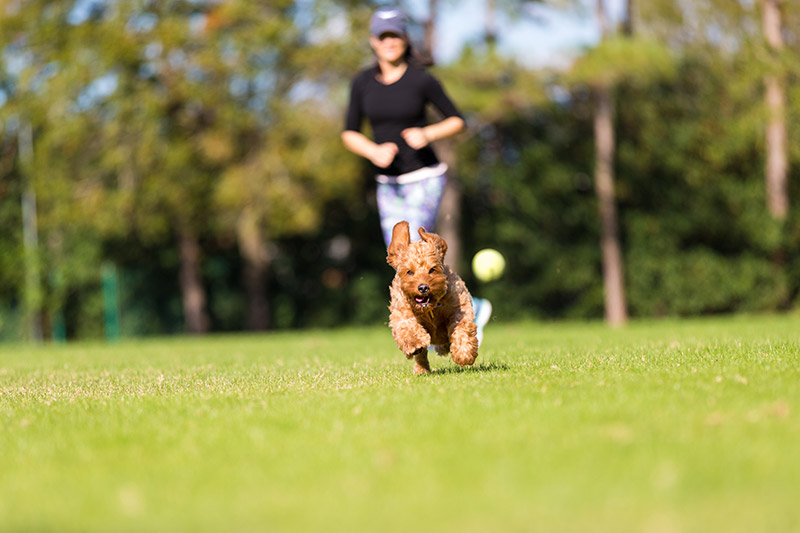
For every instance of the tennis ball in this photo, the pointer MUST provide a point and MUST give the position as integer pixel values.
(488, 264)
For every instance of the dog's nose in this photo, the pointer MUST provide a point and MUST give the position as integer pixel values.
(423, 288)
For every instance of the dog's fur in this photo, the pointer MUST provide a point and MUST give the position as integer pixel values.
(430, 304)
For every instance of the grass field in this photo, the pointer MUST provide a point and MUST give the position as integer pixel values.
(660, 426)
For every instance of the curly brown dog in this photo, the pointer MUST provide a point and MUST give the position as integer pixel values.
(430, 303)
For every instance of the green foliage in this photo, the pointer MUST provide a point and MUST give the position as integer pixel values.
(696, 236)
(623, 58)
(691, 187)
(489, 87)
(12, 272)
(224, 118)
(152, 118)
(284, 186)
(701, 281)
(527, 192)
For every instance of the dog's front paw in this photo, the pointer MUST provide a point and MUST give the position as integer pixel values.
(411, 347)
(464, 359)
(464, 348)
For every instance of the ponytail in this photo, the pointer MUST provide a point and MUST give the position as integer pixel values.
(417, 59)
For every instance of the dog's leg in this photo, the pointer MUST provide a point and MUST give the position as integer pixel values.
(464, 343)
(408, 334)
(421, 365)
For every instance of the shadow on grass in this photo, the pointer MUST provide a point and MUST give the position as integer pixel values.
(482, 367)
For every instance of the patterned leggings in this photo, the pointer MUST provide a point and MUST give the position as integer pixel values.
(415, 202)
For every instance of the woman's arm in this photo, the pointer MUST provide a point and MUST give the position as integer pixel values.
(381, 155)
(420, 137)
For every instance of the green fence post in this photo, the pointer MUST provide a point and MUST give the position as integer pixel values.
(59, 327)
(110, 302)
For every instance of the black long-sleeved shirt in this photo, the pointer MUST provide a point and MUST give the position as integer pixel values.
(392, 108)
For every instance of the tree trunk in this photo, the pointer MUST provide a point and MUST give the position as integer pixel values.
(192, 291)
(602, 18)
(254, 275)
(616, 312)
(627, 22)
(32, 294)
(448, 221)
(613, 279)
(490, 25)
(776, 137)
(430, 28)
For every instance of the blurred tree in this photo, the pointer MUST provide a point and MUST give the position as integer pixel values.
(147, 113)
(737, 31)
(449, 221)
(709, 156)
(613, 277)
(49, 78)
(449, 217)
(617, 57)
(492, 92)
(12, 269)
(616, 312)
(775, 98)
(170, 96)
(729, 39)
(527, 191)
(294, 164)
(220, 120)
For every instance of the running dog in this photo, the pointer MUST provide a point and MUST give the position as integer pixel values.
(430, 304)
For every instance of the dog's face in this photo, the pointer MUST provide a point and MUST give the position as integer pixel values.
(419, 265)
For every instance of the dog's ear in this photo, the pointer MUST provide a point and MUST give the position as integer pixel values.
(401, 238)
(435, 240)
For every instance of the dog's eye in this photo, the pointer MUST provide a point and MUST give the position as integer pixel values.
(432, 270)
(410, 273)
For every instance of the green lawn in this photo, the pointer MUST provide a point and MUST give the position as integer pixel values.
(660, 426)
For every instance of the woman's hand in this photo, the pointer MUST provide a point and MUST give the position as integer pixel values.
(416, 138)
(383, 154)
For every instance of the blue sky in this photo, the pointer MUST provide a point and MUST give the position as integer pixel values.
(546, 37)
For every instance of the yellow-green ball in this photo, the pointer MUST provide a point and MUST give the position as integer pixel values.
(488, 265)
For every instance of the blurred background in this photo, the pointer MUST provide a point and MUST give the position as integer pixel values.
(175, 166)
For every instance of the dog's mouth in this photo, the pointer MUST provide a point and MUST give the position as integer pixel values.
(423, 300)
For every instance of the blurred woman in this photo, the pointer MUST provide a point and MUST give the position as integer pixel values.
(393, 95)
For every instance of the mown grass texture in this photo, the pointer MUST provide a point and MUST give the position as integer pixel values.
(659, 426)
